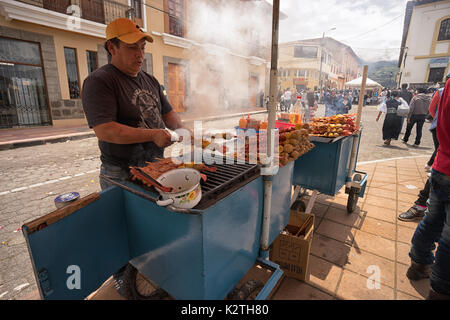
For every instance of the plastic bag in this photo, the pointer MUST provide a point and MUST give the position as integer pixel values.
(403, 109)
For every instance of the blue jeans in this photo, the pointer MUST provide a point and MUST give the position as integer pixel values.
(435, 227)
(113, 172)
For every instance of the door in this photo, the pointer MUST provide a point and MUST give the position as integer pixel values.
(177, 86)
(253, 90)
(93, 10)
(23, 97)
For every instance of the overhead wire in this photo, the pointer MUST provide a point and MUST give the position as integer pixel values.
(280, 53)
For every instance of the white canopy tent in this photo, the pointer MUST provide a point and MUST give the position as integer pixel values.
(356, 83)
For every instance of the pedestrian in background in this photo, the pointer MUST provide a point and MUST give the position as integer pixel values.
(392, 122)
(344, 104)
(418, 110)
(331, 103)
(287, 100)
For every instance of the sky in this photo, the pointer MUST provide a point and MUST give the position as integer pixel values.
(373, 28)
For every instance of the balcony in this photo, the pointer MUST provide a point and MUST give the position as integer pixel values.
(63, 14)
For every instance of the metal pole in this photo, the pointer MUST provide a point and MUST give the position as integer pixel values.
(321, 59)
(358, 120)
(264, 241)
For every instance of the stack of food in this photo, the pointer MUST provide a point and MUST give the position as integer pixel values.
(157, 168)
(250, 123)
(332, 127)
(293, 143)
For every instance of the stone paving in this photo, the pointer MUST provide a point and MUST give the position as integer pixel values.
(347, 248)
(31, 177)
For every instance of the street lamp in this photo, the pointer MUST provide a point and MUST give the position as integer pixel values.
(321, 59)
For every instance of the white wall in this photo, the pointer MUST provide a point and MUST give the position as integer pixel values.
(419, 41)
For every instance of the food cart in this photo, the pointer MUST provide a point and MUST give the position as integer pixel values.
(332, 164)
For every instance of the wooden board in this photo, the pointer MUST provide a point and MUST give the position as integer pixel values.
(58, 214)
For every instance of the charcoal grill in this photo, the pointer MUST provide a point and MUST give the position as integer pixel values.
(229, 176)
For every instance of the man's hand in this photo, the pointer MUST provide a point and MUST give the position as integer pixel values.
(408, 120)
(161, 137)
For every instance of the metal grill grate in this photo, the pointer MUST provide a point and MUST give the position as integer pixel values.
(229, 177)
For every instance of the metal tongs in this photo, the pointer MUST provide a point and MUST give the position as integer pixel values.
(153, 180)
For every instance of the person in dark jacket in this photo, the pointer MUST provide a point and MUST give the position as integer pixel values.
(418, 110)
(407, 96)
(392, 122)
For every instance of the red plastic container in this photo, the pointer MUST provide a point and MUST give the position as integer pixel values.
(283, 125)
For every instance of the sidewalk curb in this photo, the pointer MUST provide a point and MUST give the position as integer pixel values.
(43, 140)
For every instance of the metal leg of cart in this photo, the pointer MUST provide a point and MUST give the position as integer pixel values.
(297, 203)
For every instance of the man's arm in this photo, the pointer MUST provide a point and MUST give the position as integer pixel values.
(172, 120)
(412, 106)
(115, 132)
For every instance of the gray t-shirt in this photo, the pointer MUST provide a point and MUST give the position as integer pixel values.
(108, 94)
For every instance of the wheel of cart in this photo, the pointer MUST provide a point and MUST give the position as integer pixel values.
(326, 169)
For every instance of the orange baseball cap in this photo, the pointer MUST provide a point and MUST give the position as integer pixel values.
(126, 30)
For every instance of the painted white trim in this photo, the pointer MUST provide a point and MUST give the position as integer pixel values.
(176, 41)
(14, 10)
(257, 61)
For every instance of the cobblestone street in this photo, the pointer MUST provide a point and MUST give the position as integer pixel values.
(31, 178)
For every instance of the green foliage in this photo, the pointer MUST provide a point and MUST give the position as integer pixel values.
(383, 72)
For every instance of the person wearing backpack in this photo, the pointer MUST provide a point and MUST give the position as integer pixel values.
(418, 110)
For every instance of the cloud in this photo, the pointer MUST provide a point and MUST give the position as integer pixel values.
(373, 28)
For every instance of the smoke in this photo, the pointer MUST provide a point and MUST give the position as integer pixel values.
(225, 35)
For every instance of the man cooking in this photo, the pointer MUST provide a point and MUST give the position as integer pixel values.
(126, 106)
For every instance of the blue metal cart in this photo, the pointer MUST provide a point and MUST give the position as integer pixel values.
(199, 253)
(327, 168)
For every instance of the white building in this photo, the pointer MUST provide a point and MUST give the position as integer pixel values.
(425, 50)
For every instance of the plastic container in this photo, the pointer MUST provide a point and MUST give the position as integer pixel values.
(66, 199)
(283, 125)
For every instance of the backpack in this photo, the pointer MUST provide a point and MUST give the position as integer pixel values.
(403, 109)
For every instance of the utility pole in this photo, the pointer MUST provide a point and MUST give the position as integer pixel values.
(321, 57)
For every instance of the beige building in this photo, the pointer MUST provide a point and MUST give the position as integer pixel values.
(48, 48)
(300, 63)
(425, 51)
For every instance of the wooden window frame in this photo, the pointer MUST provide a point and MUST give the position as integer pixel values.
(96, 58)
(78, 71)
(167, 19)
(440, 29)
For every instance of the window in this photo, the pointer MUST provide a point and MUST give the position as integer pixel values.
(92, 61)
(436, 75)
(137, 6)
(305, 52)
(444, 30)
(176, 17)
(72, 72)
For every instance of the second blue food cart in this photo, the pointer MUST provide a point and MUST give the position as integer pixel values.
(327, 168)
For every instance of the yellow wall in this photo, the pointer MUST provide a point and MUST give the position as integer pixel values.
(154, 23)
(62, 39)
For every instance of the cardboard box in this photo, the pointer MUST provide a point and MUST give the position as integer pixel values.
(291, 251)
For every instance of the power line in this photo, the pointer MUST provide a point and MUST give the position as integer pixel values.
(379, 27)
